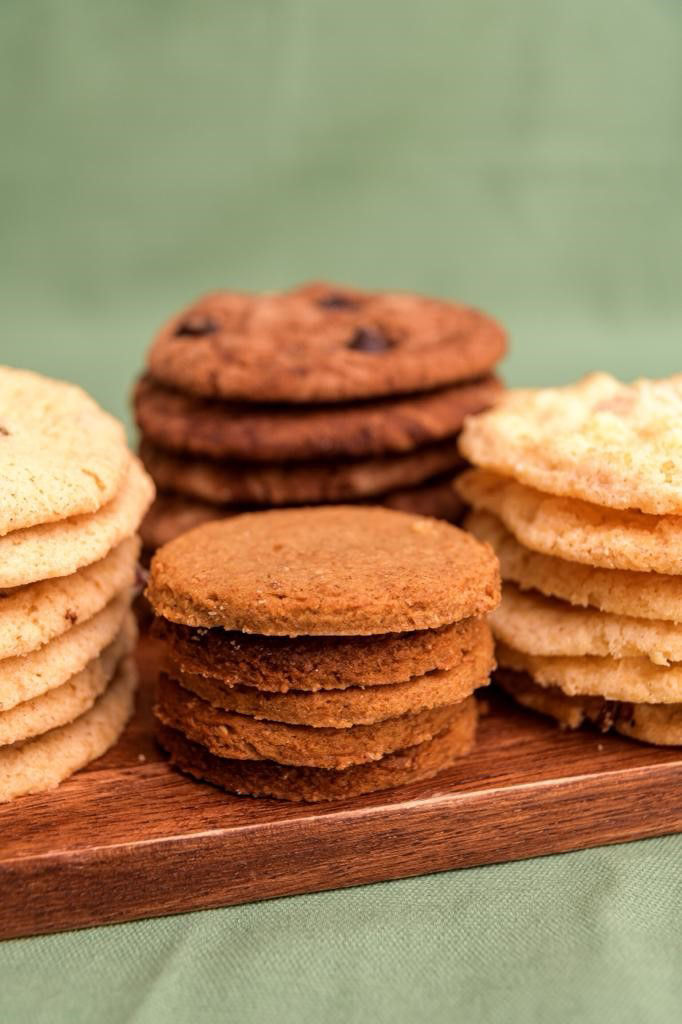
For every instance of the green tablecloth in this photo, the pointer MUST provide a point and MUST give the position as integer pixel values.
(525, 156)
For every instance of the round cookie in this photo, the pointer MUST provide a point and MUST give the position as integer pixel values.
(660, 724)
(336, 570)
(220, 430)
(308, 663)
(60, 454)
(355, 705)
(600, 441)
(60, 549)
(231, 735)
(545, 626)
(30, 675)
(42, 763)
(322, 343)
(33, 615)
(239, 483)
(73, 698)
(645, 595)
(285, 782)
(576, 530)
(626, 679)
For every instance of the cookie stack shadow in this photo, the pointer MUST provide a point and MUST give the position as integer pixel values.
(318, 395)
(580, 495)
(72, 501)
(316, 654)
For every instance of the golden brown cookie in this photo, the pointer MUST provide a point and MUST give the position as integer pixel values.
(599, 441)
(223, 482)
(545, 626)
(43, 762)
(576, 530)
(285, 782)
(322, 343)
(628, 679)
(646, 595)
(354, 705)
(311, 663)
(231, 735)
(60, 454)
(379, 427)
(336, 570)
(660, 724)
(61, 548)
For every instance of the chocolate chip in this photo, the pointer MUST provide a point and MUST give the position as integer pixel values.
(369, 339)
(337, 301)
(4, 431)
(195, 326)
(71, 616)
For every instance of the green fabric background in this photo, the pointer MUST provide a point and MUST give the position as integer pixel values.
(526, 156)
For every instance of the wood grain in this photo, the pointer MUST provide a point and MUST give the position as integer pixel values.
(130, 838)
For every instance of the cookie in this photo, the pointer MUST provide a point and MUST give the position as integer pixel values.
(60, 454)
(645, 595)
(30, 675)
(304, 483)
(322, 343)
(231, 735)
(575, 530)
(659, 724)
(436, 498)
(627, 679)
(60, 549)
(354, 705)
(62, 704)
(337, 570)
(33, 615)
(284, 782)
(171, 515)
(42, 763)
(545, 626)
(308, 663)
(220, 430)
(599, 441)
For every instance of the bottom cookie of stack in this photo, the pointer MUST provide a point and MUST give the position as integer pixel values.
(660, 724)
(311, 784)
(47, 738)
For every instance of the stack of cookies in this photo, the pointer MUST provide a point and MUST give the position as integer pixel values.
(315, 654)
(580, 494)
(312, 396)
(71, 503)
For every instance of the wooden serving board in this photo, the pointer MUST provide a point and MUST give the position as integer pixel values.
(130, 838)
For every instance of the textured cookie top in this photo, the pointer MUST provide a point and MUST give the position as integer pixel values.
(608, 443)
(322, 343)
(60, 454)
(324, 571)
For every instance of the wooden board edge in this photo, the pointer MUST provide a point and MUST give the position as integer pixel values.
(352, 847)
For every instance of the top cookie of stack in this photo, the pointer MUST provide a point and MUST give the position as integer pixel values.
(316, 395)
(71, 501)
(580, 493)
